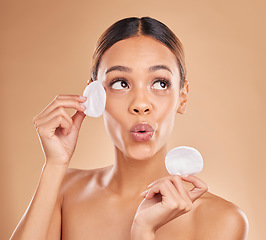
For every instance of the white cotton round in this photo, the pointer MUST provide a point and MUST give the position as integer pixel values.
(96, 99)
(183, 161)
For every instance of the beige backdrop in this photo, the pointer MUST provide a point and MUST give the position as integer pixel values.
(46, 50)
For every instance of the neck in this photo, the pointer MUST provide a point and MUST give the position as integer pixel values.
(132, 177)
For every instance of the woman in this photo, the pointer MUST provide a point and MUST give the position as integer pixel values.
(140, 63)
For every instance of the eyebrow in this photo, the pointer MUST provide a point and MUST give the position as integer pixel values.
(118, 68)
(158, 67)
(127, 69)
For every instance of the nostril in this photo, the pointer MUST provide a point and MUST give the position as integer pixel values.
(142, 111)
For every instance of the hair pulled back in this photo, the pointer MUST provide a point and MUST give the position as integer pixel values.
(131, 27)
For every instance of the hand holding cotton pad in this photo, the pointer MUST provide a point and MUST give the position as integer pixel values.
(96, 99)
(183, 161)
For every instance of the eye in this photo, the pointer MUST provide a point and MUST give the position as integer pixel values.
(118, 84)
(161, 84)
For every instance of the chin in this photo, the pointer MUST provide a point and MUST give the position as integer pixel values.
(140, 152)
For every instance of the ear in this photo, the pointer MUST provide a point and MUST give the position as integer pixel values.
(183, 97)
(89, 81)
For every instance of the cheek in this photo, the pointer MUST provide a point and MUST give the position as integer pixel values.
(114, 119)
(166, 124)
(166, 106)
(113, 128)
(165, 115)
(115, 106)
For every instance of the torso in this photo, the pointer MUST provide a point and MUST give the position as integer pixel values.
(89, 211)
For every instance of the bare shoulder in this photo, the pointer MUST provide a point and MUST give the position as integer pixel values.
(78, 179)
(217, 218)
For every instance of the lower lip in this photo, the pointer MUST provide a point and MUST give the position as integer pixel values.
(142, 136)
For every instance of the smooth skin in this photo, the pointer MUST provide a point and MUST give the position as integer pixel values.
(135, 198)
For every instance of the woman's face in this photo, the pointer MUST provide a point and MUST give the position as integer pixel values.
(141, 79)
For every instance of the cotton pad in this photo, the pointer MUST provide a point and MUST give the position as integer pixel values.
(96, 99)
(183, 161)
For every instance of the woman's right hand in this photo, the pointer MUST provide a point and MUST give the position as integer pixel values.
(57, 131)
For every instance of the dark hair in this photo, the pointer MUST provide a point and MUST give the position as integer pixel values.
(131, 27)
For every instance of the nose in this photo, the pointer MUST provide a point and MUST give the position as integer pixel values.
(140, 104)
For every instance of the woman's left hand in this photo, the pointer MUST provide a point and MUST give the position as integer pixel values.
(166, 199)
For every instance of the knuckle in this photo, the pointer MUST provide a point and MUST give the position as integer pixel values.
(59, 118)
(173, 205)
(153, 183)
(78, 105)
(40, 130)
(164, 184)
(188, 208)
(34, 120)
(71, 122)
(58, 96)
(206, 188)
(176, 177)
(165, 178)
(163, 181)
(36, 125)
(182, 206)
(61, 109)
(57, 101)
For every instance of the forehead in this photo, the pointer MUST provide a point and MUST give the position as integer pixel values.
(138, 53)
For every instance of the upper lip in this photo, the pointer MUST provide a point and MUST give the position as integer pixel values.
(142, 127)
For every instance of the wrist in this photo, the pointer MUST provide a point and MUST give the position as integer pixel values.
(141, 233)
(49, 163)
(56, 169)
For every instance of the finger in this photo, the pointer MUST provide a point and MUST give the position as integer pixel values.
(58, 111)
(48, 129)
(145, 193)
(70, 96)
(62, 123)
(78, 118)
(158, 181)
(199, 189)
(64, 101)
(170, 198)
(152, 184)
(177, 182)
(165, 189)
(67, 103)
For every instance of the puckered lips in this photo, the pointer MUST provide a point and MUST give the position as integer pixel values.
(142, 132)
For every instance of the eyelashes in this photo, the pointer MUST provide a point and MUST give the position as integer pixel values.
(163, 84)
(121, 80)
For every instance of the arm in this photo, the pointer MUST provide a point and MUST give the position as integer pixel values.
(36, 220)
(58, 133)
(137, 233)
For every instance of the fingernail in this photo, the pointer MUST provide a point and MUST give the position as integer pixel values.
(82, 97)
(82, 106)
(143, 194)
(185, 175)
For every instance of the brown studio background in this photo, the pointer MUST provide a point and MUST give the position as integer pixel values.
(46, 50)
